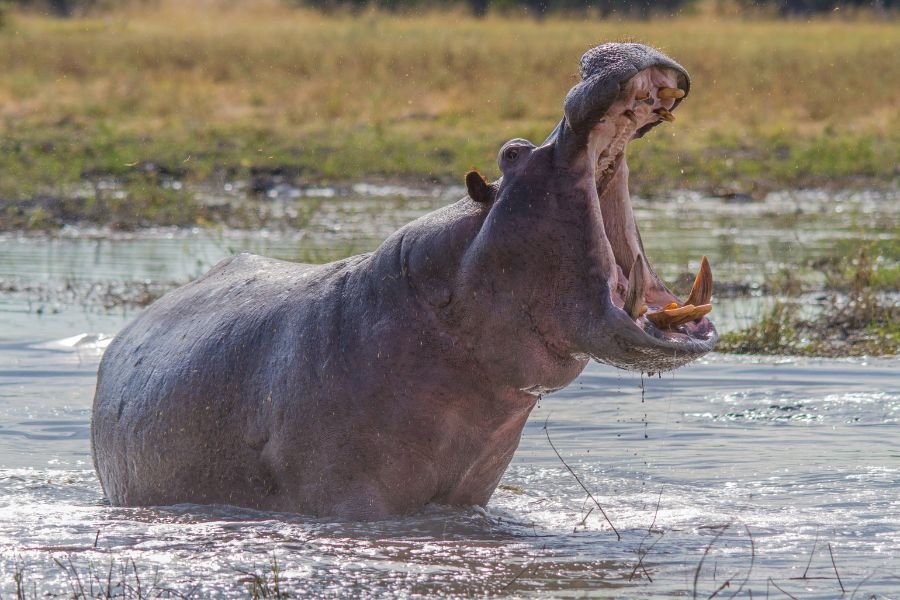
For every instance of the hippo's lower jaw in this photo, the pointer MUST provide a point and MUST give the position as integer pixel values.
(654, 330)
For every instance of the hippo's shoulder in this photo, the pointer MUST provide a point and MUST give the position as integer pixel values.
(250, 265)
(229, 305)
(242, 288)
(256, 271)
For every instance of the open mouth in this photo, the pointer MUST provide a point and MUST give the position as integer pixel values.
(646, 99)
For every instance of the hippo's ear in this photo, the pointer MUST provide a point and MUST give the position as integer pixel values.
(479, 189)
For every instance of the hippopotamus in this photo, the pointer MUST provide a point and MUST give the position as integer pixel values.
(381, 383)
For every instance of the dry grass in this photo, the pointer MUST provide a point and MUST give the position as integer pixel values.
(207, 85)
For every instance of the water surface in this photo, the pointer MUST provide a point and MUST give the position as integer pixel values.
(732, 475)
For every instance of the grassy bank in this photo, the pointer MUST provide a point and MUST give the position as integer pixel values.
(204, 90)
(856, 314)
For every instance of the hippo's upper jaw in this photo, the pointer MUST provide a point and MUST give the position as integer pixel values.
(648, 327)
(571, 194)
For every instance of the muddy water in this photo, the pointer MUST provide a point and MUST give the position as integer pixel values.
(730, 472)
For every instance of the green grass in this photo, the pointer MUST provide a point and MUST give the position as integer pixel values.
(858, 316)
(427, 97)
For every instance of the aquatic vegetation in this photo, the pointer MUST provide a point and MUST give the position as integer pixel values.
(122, 578)
(857, 315)
(141, 207)
(732, 542)
(91, 295)
(266, 584)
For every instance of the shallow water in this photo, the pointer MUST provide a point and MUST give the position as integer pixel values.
(785, 452)
(728, 470)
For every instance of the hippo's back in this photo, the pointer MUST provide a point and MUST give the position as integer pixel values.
(184, 402)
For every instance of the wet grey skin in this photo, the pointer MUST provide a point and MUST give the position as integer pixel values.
(377, 384)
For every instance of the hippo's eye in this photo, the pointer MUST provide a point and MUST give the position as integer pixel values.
(513, 152)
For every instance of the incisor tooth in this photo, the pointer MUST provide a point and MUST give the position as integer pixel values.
(634, 296)
(670, 93)
(665, 115)
(703, 285)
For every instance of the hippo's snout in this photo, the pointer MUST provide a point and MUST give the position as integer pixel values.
(609, 71)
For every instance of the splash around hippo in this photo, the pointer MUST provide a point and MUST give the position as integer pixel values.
(377, 384)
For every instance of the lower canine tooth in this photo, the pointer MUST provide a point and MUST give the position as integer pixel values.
(634, 296)
(703, 285)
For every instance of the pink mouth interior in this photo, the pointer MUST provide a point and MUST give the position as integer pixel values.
(638, 105)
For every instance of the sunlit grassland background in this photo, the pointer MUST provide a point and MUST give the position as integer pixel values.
(212, 89)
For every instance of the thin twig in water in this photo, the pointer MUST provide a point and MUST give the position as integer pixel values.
(78, 592)
(750, 570)
(19, 576)
(185, 596)
(860, 584)
(96, 538)
(109, 579)
(522, 571)
(720, 588)
(809, 562)
(656, 512)
(705, 553)
(583, 522)
(640, 551)
(789, 595)
(136, 578)
(840, 583)
(640, 563)
(587, 491)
